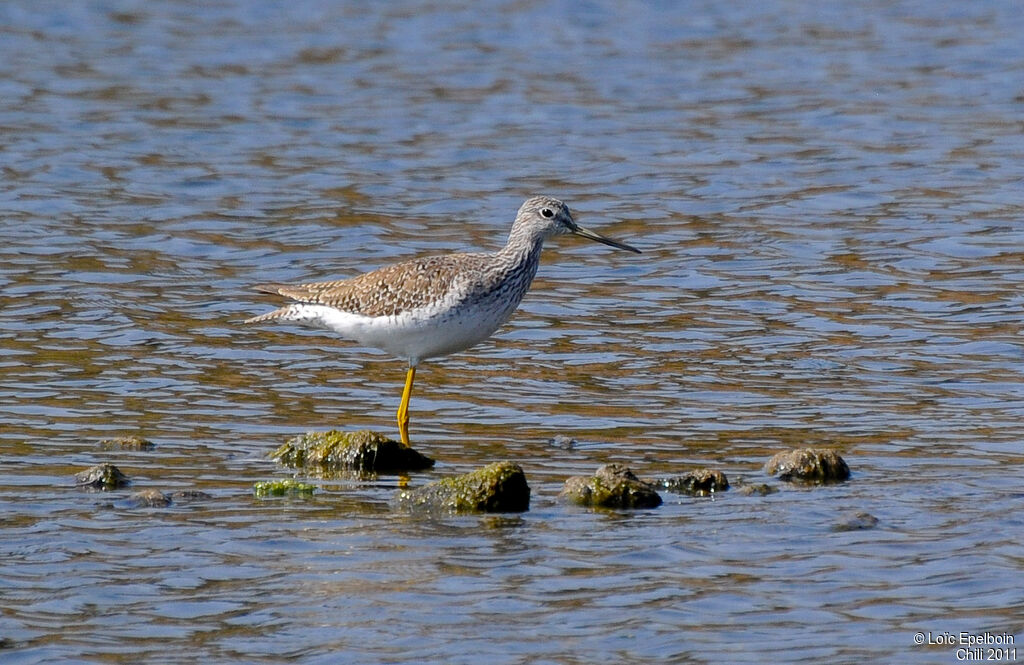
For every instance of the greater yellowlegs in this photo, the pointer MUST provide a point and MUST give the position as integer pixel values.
(437, 305)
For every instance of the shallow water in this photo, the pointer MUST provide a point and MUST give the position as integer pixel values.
(828, 198)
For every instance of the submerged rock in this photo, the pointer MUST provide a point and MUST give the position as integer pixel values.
(153, 498)
(103, 477)
(808, 465)
(702, 482)
(497, 488)
(284, 487)
(148, 499)
(613, 486)
(128, 443)
(756, 489)
(562, 441)
(186, 496)
(856, 522)
(352, 451)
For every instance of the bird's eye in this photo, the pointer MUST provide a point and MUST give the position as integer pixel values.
(547, 212)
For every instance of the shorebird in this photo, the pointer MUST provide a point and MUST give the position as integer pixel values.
(434, 306)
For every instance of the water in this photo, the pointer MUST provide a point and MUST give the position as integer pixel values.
(828, 196)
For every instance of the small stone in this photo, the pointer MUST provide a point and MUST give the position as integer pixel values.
(856, 522)
(702, 482)
(148, 499)
(103, 477)
(757, 489)
(496, 488)
(186, 496)
(808, 465)
(285, 487)
(128, 443)
(349, 451)
(562, 441)
(613, 486)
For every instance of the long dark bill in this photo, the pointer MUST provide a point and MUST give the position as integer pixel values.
(587, 233)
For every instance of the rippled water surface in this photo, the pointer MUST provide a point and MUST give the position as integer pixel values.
(828, 197)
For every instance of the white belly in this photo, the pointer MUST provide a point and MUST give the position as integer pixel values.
(415, 335)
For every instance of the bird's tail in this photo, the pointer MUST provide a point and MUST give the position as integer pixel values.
(277, 314)
(280, 313)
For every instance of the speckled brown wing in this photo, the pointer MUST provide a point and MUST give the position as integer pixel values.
(389, 290)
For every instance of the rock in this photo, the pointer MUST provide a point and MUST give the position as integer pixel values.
(856, 522)
(128, 443)
(496, 488)
(613, 486)
(148, 499)
(102, 476)
(809, 465)
(284, 487)
(349, 451)
(702, 482)
(186, 496)
(562, 441)
(757, 489)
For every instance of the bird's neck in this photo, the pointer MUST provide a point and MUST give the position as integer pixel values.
(521, 253)
(523, 245)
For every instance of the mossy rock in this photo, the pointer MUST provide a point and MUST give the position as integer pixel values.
(808, 465)
(102, 477)
(128, 443)
(364, 450)
(613, 486)
(284, 487)
(701, 482)
(496, 488)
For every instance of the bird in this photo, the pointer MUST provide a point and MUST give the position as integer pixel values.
(434, 306)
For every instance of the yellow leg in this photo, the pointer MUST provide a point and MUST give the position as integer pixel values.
(403, 408)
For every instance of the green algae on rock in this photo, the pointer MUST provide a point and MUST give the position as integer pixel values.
(128, 443)
(496, 488)
(701, 482)
(808, 465)
(612, 486)
(364, 450)
(285, 487)
(103, 477)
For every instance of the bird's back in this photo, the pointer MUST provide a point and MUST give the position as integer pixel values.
(394, 289)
